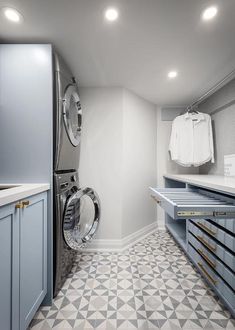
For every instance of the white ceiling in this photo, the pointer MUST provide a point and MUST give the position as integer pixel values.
(150, 38)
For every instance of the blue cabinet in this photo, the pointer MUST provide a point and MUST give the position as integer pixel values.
(202, 221)
(33, 240)
(9, 265)
(23, 260)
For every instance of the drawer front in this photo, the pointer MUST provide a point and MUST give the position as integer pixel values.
(228, 224)
(218, 233)
(183, 203)
(161, 199)
(226, 292)
(215, 263)
(222, 253)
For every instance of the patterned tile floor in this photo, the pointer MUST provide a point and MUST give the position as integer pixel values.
(152, 285)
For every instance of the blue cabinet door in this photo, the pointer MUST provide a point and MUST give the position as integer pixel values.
(33, 256)
(9, 267)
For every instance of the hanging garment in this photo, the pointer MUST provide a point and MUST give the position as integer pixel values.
(191, 142)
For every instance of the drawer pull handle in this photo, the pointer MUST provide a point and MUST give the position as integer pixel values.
(156, 200)
(210, 278)
(211, 263)
(25, 203)
(208, 230)
(208, 245)
(19, 205)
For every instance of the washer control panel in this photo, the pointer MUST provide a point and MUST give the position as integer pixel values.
(65, 181)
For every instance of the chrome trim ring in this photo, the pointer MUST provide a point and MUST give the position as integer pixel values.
(76, 243)
(71, 92)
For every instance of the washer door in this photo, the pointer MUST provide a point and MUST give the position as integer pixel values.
(81, 218)
(72, 114)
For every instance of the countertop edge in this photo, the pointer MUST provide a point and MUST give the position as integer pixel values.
(22, 191)
(202, 183)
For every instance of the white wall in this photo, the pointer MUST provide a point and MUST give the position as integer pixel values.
(118, 158)
(101, 154)
(221, 107)
(124, 151)
(139, 162)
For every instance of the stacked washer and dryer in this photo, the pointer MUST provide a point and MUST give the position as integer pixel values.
(76, 209)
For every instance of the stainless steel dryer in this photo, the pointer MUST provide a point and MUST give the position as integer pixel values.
(68, 118)
(77, 214)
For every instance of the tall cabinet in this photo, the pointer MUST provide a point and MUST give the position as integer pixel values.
(26, 126)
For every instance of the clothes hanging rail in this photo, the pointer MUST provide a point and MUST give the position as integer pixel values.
(211, 91)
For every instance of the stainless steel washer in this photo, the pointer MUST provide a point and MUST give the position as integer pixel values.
(77, 215)
(67, 118)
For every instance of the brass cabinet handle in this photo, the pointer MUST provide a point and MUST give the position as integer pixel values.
(25, 203)
(210, 278)
(211, 263)
(204, 227)
(19, 205)
(208, 245)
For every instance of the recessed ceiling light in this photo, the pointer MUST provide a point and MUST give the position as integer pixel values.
(209, 13)
(111, 14)
(12, 15)
(172, 74)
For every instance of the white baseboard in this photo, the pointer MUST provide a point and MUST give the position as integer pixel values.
(161, 227)
(118, 245)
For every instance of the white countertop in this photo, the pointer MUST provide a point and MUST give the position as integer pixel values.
(215, 182)
(20, 191)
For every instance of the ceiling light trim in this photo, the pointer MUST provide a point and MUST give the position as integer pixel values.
(209, 13)
(111, 14)
(172, 74)
(12, 15)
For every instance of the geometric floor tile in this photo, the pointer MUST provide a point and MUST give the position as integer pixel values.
(151, 285)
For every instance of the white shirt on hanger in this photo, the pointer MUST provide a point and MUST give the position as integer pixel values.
(191, 141)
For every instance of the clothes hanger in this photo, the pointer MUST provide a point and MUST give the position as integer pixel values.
(192, 110)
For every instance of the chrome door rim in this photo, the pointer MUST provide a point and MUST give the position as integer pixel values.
(68, 237)
(72, 91)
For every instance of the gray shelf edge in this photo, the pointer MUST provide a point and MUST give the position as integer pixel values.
(199, 185)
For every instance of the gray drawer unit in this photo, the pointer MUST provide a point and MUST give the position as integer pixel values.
(216, 282)
(184, 203)
(226, 274)
(217, 233)
(228, 224)
(221, 252)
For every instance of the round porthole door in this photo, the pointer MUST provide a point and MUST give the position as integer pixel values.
(81, 218)
(72, 114)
